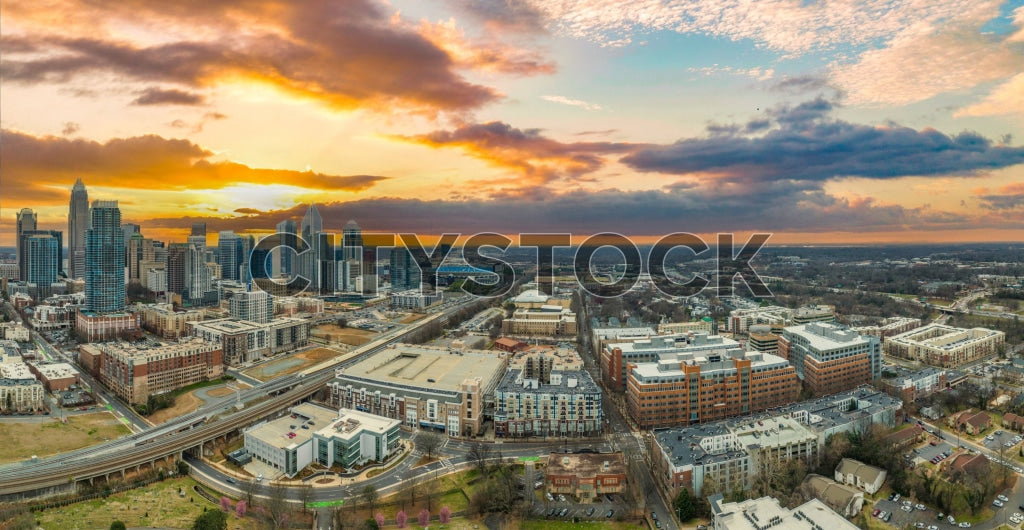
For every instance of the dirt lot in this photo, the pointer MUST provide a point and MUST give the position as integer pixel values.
(21, 440)
(189, 402)
(412, 317)
(291, 364)
(350, 336)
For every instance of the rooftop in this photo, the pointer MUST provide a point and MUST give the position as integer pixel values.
(759, 514)
(823, 336)
(425, 366)
(286, 431)
(568, 382)
(349, 423)
(585, 464)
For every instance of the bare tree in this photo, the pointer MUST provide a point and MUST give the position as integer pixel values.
(344, 517)
(305, 495)
(277, 505)
(478, 454)
(429, 491)
(249, 487)
(411, 488)
(429, 442)
(370, 496)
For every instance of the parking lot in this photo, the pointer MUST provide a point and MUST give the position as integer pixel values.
(998, 440)
(600, 509)
(928, 452)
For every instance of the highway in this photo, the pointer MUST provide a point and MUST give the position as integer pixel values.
(191, 430)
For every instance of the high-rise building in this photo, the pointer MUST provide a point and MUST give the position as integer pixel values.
(104, 259)
(176, 256)
(198, 280)
(198, 230)
(312, 227)
(405, 272)
(283, 265)
(26, 222)
(24, 262)
(229, 255)
(129, 230)
(41, 251)
(248, 244)
(78, 223)
(352, 241)
(140, 250)
(254, 306)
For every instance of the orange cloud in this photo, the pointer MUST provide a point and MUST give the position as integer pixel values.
(39, 169)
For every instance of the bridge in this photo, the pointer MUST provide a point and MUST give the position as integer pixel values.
(167, 443)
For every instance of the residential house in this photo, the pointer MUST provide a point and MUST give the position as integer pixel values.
(860, 475)
(906, 437)
(1013, 422)
(843, 499)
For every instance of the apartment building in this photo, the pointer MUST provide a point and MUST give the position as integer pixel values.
(55, 377)
(911, 385)
(244, 341)
(945, 346)
(21, 395)
(164, 321)
(704, 325)
(889, 327)
(768, 512)
(703, 386)
(136, 371)
(545, 403)
(830, 358)
(732, 451)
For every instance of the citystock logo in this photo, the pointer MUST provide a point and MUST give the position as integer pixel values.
(315, 263)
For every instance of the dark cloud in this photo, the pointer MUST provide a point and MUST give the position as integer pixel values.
(800, 84)
(509, 15)
(344, 54)
(805, 144)
(70, 128)
(35, 164)
(1009, 197)
(159, 96)
(526, 151)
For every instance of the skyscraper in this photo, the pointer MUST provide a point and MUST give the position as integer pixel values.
(405, 273)
(255, 306)
(229, 255)
(78, 223)
(140, 250)
(198, 230)
(283, 265)
(130, 229)
(198, 281)
(26, 222)
(312, 227)
(352, 240)
(104, 259)
(176, 255)
(41, 252)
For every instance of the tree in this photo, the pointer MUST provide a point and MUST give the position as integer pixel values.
(344, 517)
(370, 496)
(423, 517)
(277, 505)
(240, 509)
(445, 514)
(429, 442)
(370, 524)
(182, 467)
(411, 487)
(478, 454)
(305, 495)
(401, 518)
(118, 525)
(225, 504)
(249, 488)
(684, 506)
(211, 520)
(380, 520)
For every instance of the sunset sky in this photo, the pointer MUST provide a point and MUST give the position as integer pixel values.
(821, 122)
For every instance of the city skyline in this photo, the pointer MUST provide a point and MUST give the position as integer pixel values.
(818, 123)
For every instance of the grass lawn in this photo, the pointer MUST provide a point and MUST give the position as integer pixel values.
(157, 505)
(21, 440)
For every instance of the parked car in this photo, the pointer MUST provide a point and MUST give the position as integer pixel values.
(609, 514)
(921, 507)
(590, 511)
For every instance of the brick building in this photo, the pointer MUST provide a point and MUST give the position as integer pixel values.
(830, 358)
(585, 475)
(134, 372)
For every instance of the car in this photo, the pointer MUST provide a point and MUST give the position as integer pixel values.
(990, 438)
(563, 512)
(933, 443)
(933, 527)
(907, 509)
(951, 519)
(654, 515)
(609, 514)
(561, 498)
(964, 524)
(919, 524)
(550, 497)
(891, 495)
(887, 517)
(921, 507)
(230, 480)
(997, 503)
(259, 478)
(1017, 515)
(882, 514)
(657, 524)
(551, 512)
(998, 433)
(875, 513)
(1002, 498)
(941, 516)
(895, 497)
(590, 511)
